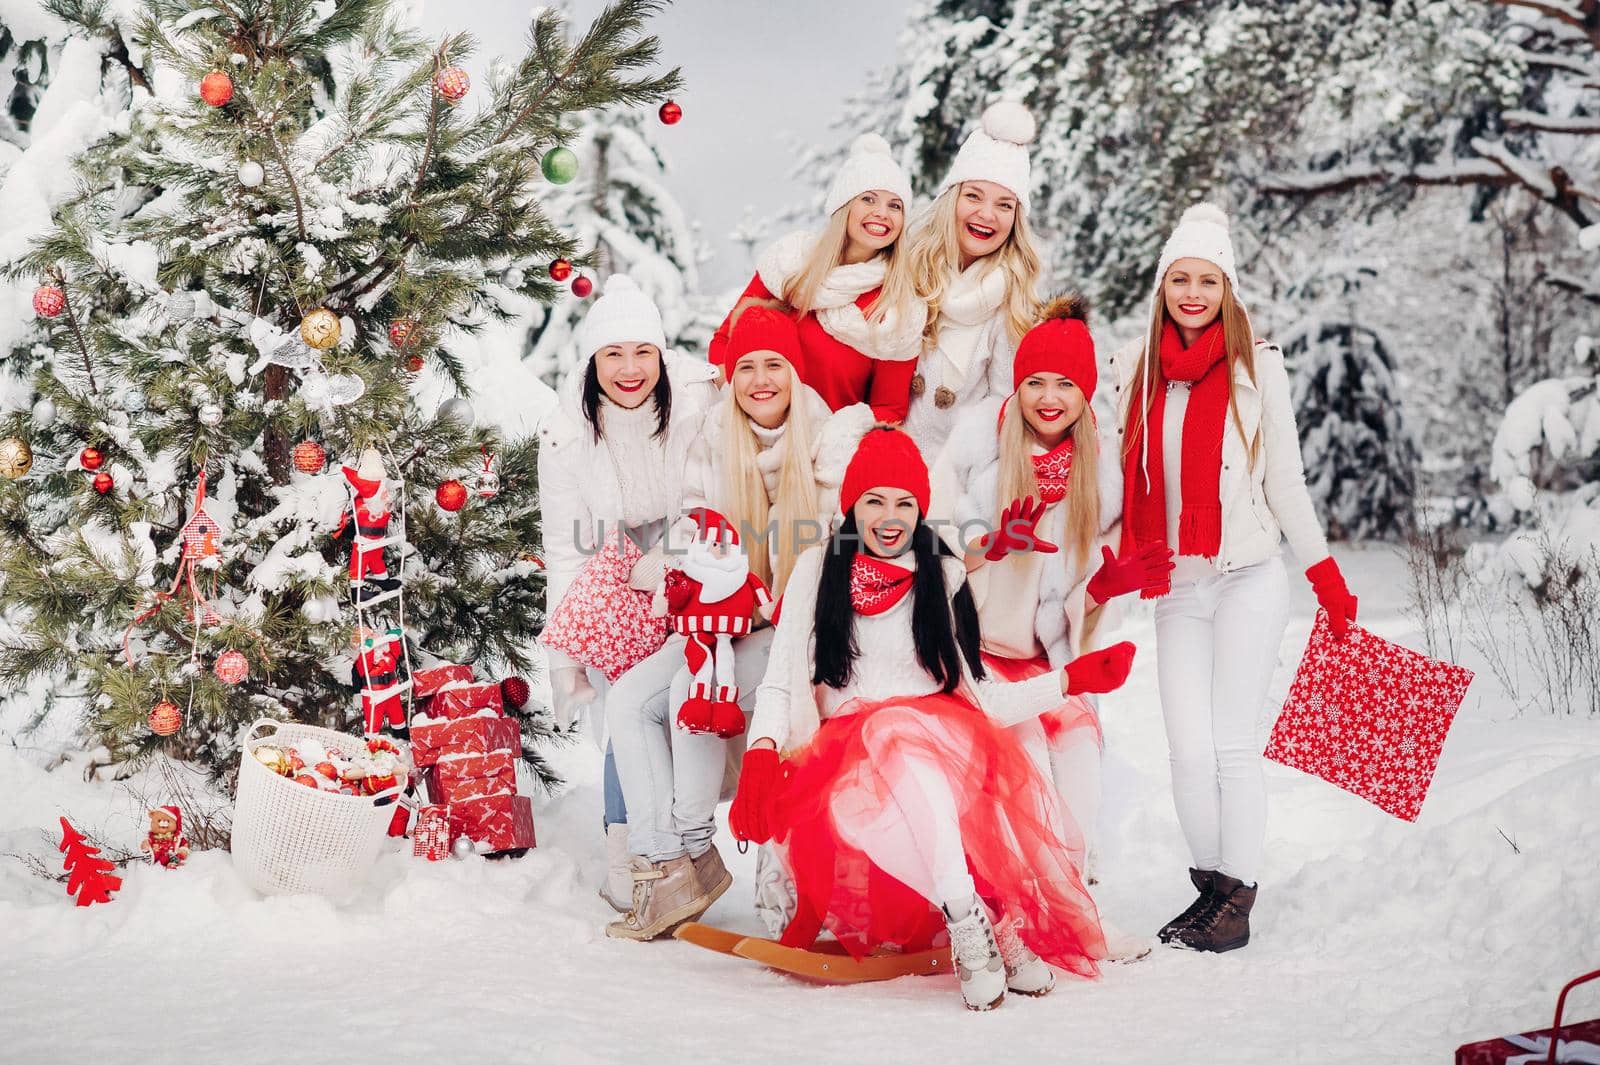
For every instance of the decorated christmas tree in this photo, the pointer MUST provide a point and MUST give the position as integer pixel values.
(307, 204)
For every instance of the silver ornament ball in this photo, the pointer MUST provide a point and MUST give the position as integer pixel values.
(180, 306)
(133, 401)
(210, 415)
(458, 409)
(250, 174)
(463, 847)
(44, 414)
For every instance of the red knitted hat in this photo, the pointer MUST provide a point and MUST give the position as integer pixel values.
(1061, 344)
(765, 329)
(886, 458)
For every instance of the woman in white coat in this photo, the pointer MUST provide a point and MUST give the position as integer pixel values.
(768, 456)
(973, 260)
(1212, 468)
(611, 462)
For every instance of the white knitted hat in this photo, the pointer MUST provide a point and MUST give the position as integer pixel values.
(869, 166)
(997, 151)
(623, 315)
(1202, 233)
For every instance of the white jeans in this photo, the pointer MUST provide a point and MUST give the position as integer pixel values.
(1216, 647)
(672, 779)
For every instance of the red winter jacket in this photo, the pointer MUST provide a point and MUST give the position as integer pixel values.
(840, 374)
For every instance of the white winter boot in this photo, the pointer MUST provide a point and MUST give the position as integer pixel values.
(618, 888)
(976, 956)
(1026, 972)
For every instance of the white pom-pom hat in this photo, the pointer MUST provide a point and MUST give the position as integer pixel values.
(1202, 233)
(869, 166)
(997, 151)
(622, 315)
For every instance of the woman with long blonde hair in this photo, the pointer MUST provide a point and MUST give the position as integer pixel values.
(859, 319)
(1212, 469)
(974, 264)
(768, 457)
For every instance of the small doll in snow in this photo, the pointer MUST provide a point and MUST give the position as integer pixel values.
(165, 842)
(374, 506)
(711, 599)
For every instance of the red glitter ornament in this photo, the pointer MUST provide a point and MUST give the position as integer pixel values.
(165, 718)
(452, 83)
(309, 457)
(451, 495)
(231, 667)
(515, 692)
(216, 88)
(49, 301)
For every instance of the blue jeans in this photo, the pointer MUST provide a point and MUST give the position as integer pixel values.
(616, 809)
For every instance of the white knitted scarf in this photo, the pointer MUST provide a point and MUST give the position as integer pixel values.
(897, 338)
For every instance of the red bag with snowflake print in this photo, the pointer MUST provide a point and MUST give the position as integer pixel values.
(601, 622)
(1368, 716)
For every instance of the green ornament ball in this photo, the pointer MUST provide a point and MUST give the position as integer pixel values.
(559, 165)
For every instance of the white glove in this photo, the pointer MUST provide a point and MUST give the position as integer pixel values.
(572, 695)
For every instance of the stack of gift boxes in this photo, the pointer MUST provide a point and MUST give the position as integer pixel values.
(466, 751)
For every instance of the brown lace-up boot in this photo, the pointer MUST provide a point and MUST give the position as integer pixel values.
(1224, 923)
(665, 894)
(1202, 881)
(713, 874)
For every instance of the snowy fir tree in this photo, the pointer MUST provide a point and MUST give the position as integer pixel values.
(622, 213)
(245, 278)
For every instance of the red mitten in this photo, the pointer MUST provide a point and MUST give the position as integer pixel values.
(1148, 568)
(1100, 671)
(1332, 595)
(1016, 535)
(760, 779)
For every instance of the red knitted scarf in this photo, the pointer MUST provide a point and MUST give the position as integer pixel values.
(1052, 469)
(876, 585)
(1144, 502)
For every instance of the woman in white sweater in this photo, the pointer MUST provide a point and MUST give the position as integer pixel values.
(768, 457)
(1213, 470)
(611, 461)
(904, 787)
(973, 260)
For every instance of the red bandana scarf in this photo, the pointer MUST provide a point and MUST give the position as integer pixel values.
(1051, 470)
(1144, 504)
(876, 585)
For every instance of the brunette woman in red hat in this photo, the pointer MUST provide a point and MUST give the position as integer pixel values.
(860, 320)
(906, 799)
(1036, 499)
(1212, 469)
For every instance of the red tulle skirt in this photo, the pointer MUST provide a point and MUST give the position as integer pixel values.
(1073, 715)
(891, 776)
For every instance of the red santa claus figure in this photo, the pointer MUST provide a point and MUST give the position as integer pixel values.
(165, 842)
(711, 600)
(377, 667)
(369, 573)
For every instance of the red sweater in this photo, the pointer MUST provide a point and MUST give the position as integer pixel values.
(840, 374)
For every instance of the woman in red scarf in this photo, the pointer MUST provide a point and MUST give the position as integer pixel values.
(1212, 469)
(902, 801)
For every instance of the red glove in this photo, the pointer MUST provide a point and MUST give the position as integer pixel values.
(1100, 671)
(760, 780)
(1016, 533)
(1332, 595)
(1147, 568)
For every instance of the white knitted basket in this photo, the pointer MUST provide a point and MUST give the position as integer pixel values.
(290, 839)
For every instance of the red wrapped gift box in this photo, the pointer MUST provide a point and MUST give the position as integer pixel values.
(466, 700)
(498, 823)
(455, 778)
(471, 735)
(431, 838)
(426, 682)
(1574, 1042)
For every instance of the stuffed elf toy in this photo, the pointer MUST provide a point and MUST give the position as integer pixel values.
(711, 599)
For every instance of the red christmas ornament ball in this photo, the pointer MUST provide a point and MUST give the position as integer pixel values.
(452, 83)
(49, 301)
(451, 495)
(231, 667)
(91, 458)
(103, 483)
(515, 692)
(670, 113)
(413, 363)
(165, 718)
(560, 269)
(216, 88)
(400, 331)
(309, 457)
(582, 286)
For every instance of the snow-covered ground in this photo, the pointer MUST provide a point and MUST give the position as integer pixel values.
(1376, 941)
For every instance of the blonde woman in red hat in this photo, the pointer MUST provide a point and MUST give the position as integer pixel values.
(974, 262)
(1036, 497)
(768, 458)
(1212, 469)
(860, 322)
(904, 788)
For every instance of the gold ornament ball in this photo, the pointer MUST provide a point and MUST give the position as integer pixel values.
(16, 457)
(320, 329)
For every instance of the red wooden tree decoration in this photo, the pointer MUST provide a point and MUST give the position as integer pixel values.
(89, 876)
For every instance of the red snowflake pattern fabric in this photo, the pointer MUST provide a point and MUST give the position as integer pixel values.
(1368, 716)
(876, 585)
(601, 622)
